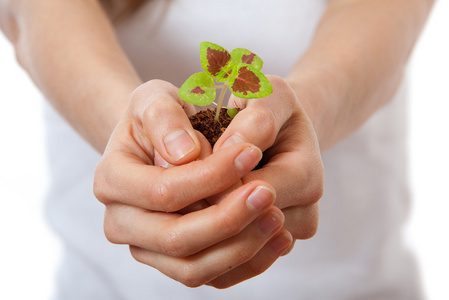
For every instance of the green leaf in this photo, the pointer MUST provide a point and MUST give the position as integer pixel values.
(248, 82)
(199, 89)
(216, 61)
(242, 55)
(232, 112)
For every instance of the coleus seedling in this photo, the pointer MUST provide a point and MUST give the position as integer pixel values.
(239, 70)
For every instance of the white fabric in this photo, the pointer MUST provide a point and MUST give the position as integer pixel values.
(357, 252)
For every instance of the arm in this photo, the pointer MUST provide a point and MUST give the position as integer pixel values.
(353, 67)
(70, 51)
(356, 61)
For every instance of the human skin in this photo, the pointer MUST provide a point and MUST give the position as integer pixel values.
(353, 67)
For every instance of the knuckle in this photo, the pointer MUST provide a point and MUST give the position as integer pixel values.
(138, 97)
(172, 244)
(189, 276)
(313, 193)
(309, 223)
(137, 254)
(243, 254)
(276, 80)
(308, 231)
(220, 283)
(265, 120)
(207, 171)
(112, 229)
(100, 185)
(316, 185)
(313, 176)
(255, 269)
(231, 226)
(154, 92)
(155, 83)
(163, 197)
(214, 174)
(158, 107)
(288, 94)
(144, 90)
(317, 193)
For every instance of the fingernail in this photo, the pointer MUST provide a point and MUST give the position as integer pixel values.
(248, 159)
(270, 223)
(260, 198)
(179, 144)
(281, 242)
(233, 139)
(160, 161)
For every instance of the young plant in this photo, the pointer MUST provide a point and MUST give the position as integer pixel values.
(239, 70)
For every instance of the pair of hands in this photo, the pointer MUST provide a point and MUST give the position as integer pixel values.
(202, 215)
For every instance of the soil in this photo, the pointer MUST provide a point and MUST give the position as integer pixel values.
(204, 122)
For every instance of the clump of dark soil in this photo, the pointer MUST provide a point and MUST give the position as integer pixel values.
(204, 122)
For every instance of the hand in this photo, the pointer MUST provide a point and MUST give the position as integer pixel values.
(241, 236)
(292, 164)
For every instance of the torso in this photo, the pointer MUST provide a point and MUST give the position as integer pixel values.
(357, 252)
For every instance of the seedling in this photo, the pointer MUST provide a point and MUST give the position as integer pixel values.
(239, 70)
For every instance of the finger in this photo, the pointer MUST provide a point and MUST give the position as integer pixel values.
(217, 198)
(296, 177)
(290, 248)
(198, 205)
(214, 261)
(206, 150)
(159, 161)
(121, 177)
(302, 221)
(275, 248)
(182, 235)
(262, 119)
(162, 117)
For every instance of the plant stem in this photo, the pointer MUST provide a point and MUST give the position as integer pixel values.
(225, 107)
(220, 101)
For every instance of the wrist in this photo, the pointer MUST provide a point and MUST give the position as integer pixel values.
(321, 94)
(99, 110)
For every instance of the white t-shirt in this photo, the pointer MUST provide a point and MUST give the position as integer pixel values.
(357, 253)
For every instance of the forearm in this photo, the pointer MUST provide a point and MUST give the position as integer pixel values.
(70, 51)
(356, 61)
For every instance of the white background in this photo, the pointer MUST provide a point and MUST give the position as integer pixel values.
(29, 251)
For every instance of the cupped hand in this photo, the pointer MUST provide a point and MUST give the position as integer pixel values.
(292, 164)
(229, 242)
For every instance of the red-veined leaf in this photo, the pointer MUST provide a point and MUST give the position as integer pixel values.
(199, 89)
(248, 82)
(242, 55)
(216, 61)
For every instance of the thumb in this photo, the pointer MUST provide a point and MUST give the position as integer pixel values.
(206, 150)
(162, 117)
